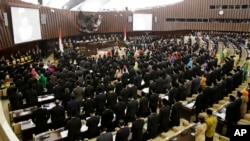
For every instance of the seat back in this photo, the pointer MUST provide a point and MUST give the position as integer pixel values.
(11, 117)
(16, 127)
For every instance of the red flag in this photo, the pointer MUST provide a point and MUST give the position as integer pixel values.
(60, 40)
(124, 34)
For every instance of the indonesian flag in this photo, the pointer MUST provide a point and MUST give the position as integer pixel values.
(124, 34)
(60, 41)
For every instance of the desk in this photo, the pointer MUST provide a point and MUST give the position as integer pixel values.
(25, 114)
(187, 111)
(43, 99)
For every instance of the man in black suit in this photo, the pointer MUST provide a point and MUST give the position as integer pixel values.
(119, 110)
(89, 90)
(230, 115)
(199, 104)
(137, 129)
(105, 136)
(73, 125)
(57, 115)
(164, 116)
(31, 96)
(123, 133)
(153, 125)
(100, 102)
(73, 106)
(143, 109)
(16, 101)
(88, 106)
(107, 119)
(92, 123)
(40, 117)
(153, 101)
(175, 114)
(111, 97)
(132, 108)
(124, 93)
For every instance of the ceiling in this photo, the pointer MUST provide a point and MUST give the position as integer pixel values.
(104, 5)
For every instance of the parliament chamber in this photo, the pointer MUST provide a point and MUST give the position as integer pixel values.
(94, 76)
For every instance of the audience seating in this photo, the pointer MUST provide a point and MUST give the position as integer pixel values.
(11, 117)
(41, 134)
(17, 130)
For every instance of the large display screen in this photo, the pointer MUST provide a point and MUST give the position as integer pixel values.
(142, 22)
(26, 24)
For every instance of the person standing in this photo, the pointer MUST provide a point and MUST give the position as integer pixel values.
(123, 133)
(211, 123)
(200, 129)
(164, 116)
(73, 125)
(57, 115)
(40, 118)
(105, 136)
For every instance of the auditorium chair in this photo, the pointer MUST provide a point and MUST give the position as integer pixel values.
(243, 122)
(247, 117)
(14, 62)
(41, 135)
(16, 127)
(22, 61)
(11, 117)
(4, 93)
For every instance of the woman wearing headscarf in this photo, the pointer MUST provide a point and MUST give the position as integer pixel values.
(200, 129)
(33, 73)
(43, 80)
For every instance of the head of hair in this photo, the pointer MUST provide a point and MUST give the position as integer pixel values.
(209, 111)
(201, 118)
(165, 101)
(121, 122)
(232, 98)
(239, 94)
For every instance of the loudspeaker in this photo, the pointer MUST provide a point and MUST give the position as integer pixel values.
(43, 19)
(155, 19)
(130, 19)
(5, 18)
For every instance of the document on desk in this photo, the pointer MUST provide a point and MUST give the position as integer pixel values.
(145, 90)
(165, 97)
(222, 116)
(64, 133)
(190, 105)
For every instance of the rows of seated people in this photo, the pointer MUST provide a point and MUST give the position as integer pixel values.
(96, 84)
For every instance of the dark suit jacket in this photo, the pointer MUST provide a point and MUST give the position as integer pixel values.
(88, 106)
(57, 116)
(199, 103)
(74, 128)
(119, 110)
(137, 130)
(153, 101)
(73, 105)
(164, 116)
(175, 114)
(153, 125)
(111, 100)
(132, 108)
(107, 117)
(40, 118)
(92, 124)
(89, 91)
(105, 137)
(31, 97)
(122, 134)
(100, 102)
(231, 116)
(143, 107)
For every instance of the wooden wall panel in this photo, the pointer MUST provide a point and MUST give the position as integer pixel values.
(116, 21)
